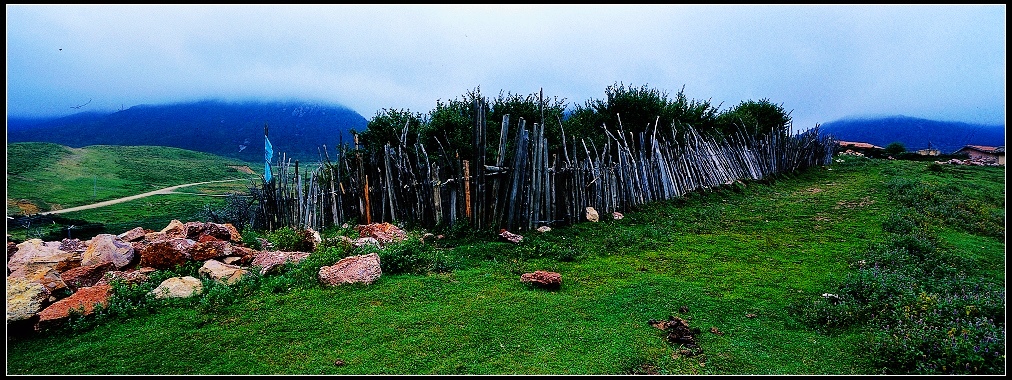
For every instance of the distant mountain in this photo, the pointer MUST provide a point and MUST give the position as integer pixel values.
(228, 129)
(915, 133)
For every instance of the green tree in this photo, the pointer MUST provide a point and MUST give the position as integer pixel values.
(895, 149)
(387, 127)
(756, 118)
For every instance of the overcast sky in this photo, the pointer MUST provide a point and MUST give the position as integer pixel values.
(821, 62)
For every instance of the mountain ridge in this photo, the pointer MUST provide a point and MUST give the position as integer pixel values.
(233, 129)
(915, 133)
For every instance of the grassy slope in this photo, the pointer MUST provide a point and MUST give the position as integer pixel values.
(724, 254)
(54, 176)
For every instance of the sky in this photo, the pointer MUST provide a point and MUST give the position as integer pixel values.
(819, 62)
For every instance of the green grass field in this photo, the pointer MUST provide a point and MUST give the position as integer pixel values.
(743, 260)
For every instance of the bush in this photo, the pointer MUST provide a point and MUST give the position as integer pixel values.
(290, 239)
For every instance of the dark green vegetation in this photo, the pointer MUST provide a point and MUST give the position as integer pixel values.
(45, 176)
(751, 261)
(916, 134)
(227, 129)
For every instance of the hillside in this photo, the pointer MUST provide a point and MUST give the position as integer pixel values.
(47, 176)
(915, 133)
(226, 129)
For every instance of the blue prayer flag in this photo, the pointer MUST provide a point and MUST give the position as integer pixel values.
(268, 154)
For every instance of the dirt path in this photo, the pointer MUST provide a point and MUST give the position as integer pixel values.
(167, 190)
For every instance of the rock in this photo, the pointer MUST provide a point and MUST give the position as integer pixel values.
(202, 251)
(542, 279)
(73, 246)
(129, 277)
(166, 254)
(353, 269)
(46, 276)
(592, 214)
(234, 235)
(85, 276)
(231, 260)
(678, 332)
(175, 229)
(36, 253)
(510, 236)
(617, 215)
(223, 273)
(384, 233)
(196, 230)
(544, 229)
(154, 236)
(24, 299)
(132, 235)
(108, 248)
(11, 250)
(365, 241)
(83, 300)
(245, 254)
(178, 287)
(271, 262)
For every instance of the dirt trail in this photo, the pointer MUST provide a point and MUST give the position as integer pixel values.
(167, 190)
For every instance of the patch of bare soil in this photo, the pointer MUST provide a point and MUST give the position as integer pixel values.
(679, 333)
(242, 169)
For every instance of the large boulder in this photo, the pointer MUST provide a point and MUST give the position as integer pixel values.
(36, 254)
(221, 272)
(85, 276)
(271, 262)
(178, 287)
(354, 269)
(73, 245)
(210, 249)
(105, 248)
(166, 254)
(24, 299)
(197, 230)
(542, 279)
(46, 276)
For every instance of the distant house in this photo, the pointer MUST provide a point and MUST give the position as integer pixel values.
(990, 154)
(852, 147)
(929, 152)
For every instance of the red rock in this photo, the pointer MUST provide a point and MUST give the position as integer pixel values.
(542, 279)
(86, 298)
(510, 236)
(85, 276)
(175, 229)
(384, 233)
(353, 269)
(166, 254)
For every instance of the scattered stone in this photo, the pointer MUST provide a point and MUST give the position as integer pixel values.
(617, 215)
(108, 248)
(542, 279)
(384, 233)
(223, 273)
(339, 362)
(24, 299)
(544, 229)
(84, 300)
(132, 235)
(509, 236)
(354, 269)
(245, 254)
(178, 287)
(716, 331)
(271, 262)
(85, 276)
(750, 315)
(592, 214)
(166, 254)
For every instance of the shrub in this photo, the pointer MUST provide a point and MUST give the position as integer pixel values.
(290, 239)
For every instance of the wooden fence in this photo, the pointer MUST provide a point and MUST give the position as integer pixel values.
(526, 187)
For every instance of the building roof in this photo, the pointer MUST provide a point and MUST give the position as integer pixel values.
(984, 149)
(854, 144)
